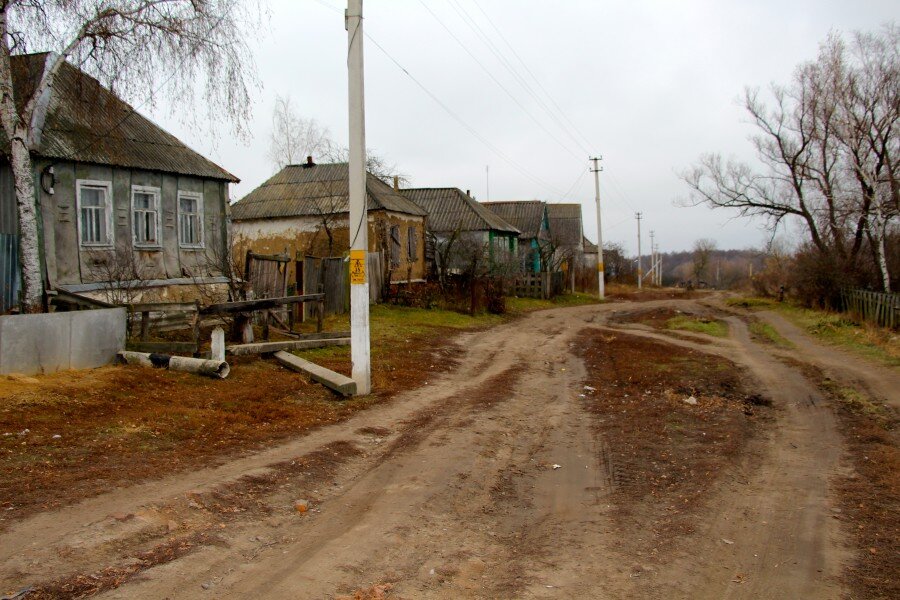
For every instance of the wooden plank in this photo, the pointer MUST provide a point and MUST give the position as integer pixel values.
(263, 303)
(339, 383)
(62, 296)
(272, 257)
(162, 347)
(270, 347)
(140, 307)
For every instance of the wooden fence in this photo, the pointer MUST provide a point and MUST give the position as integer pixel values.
(331, 277)
(878, 308)
(539, 285)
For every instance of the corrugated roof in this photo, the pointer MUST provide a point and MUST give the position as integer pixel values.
(87, 122)
(524, 215)
(450, 209)
(301, 190)
(565, 225)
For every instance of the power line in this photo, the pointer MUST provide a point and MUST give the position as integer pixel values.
(497, 81)
(506, 63)
(530, 72)
(459, 120)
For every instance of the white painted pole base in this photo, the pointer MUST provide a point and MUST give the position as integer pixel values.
(359, 337)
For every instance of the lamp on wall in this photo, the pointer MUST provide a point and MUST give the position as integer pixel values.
(48, 179)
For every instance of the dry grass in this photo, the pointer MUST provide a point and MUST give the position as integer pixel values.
(119, 425)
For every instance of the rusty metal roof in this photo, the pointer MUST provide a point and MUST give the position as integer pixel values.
(525, 215)
(450, 209)
(565, 225)
(86, 122)
(303, 190)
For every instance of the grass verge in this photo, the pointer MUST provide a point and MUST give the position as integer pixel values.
(712, 327)
(768, 334)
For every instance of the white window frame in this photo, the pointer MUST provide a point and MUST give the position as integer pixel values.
(145, 189)
(110, 232)
(198, 196)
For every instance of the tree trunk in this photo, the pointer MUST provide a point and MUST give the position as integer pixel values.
(16, 129)
(29, 253)
(879, 249)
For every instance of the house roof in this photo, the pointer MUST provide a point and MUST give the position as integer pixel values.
(86, 122)
(304, 190)
(525, 215)
(565, 225)
(589, 246)
(450, 209)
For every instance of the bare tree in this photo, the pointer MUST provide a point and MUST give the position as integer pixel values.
(703, 249)
(140, 49)
(828, 146)
(293, 138)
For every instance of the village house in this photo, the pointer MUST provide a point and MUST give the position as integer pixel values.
(122, 203)
(531, 219)
(457, 225)
(566, 238)
(304, 210)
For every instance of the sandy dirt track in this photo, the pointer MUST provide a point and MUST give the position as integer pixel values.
(450, 491)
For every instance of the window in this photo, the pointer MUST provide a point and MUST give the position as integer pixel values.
(395, 246)
(94, 200)
(412, 244)
(190, 219)
(145, 216)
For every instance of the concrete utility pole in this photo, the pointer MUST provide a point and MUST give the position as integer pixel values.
(652, 259)
(601, 273)
(640, 273)
(359, 231)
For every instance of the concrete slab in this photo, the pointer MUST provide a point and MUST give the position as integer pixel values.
(96, 337)
(31, 344)
(339, 383)
(270, 347)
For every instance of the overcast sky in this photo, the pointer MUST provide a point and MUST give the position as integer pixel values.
(647, 85)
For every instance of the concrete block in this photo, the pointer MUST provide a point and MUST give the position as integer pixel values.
(32, 344)
(337, 382)
(96, 337)
(217, 349)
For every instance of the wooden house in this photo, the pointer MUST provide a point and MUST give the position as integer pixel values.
(456, 219)
(122, 203)
(305, 209)
(531, 219)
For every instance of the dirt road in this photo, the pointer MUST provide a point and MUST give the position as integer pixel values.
(490, 482)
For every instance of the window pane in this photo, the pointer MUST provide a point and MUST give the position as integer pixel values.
(92, 196)
(188, 205)
(143, 200)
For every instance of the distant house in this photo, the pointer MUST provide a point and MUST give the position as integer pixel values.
(566, 238)
(531, 219)
(119, 198)
(455, 219)
(305, 209)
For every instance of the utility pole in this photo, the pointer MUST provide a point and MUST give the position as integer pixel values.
(652, 259)
(601, 273)
(640, 273)
(359, 230)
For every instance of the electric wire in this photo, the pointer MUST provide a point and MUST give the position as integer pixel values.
(507, 64)
(495, 80)
(531, 73)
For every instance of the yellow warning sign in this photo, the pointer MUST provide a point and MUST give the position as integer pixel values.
(600, 266)
(357, 266)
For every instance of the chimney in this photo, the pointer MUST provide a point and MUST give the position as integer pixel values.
(468, 192)
(309, 162)
(396, 183)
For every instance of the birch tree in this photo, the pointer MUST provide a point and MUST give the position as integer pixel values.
(141, 49)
